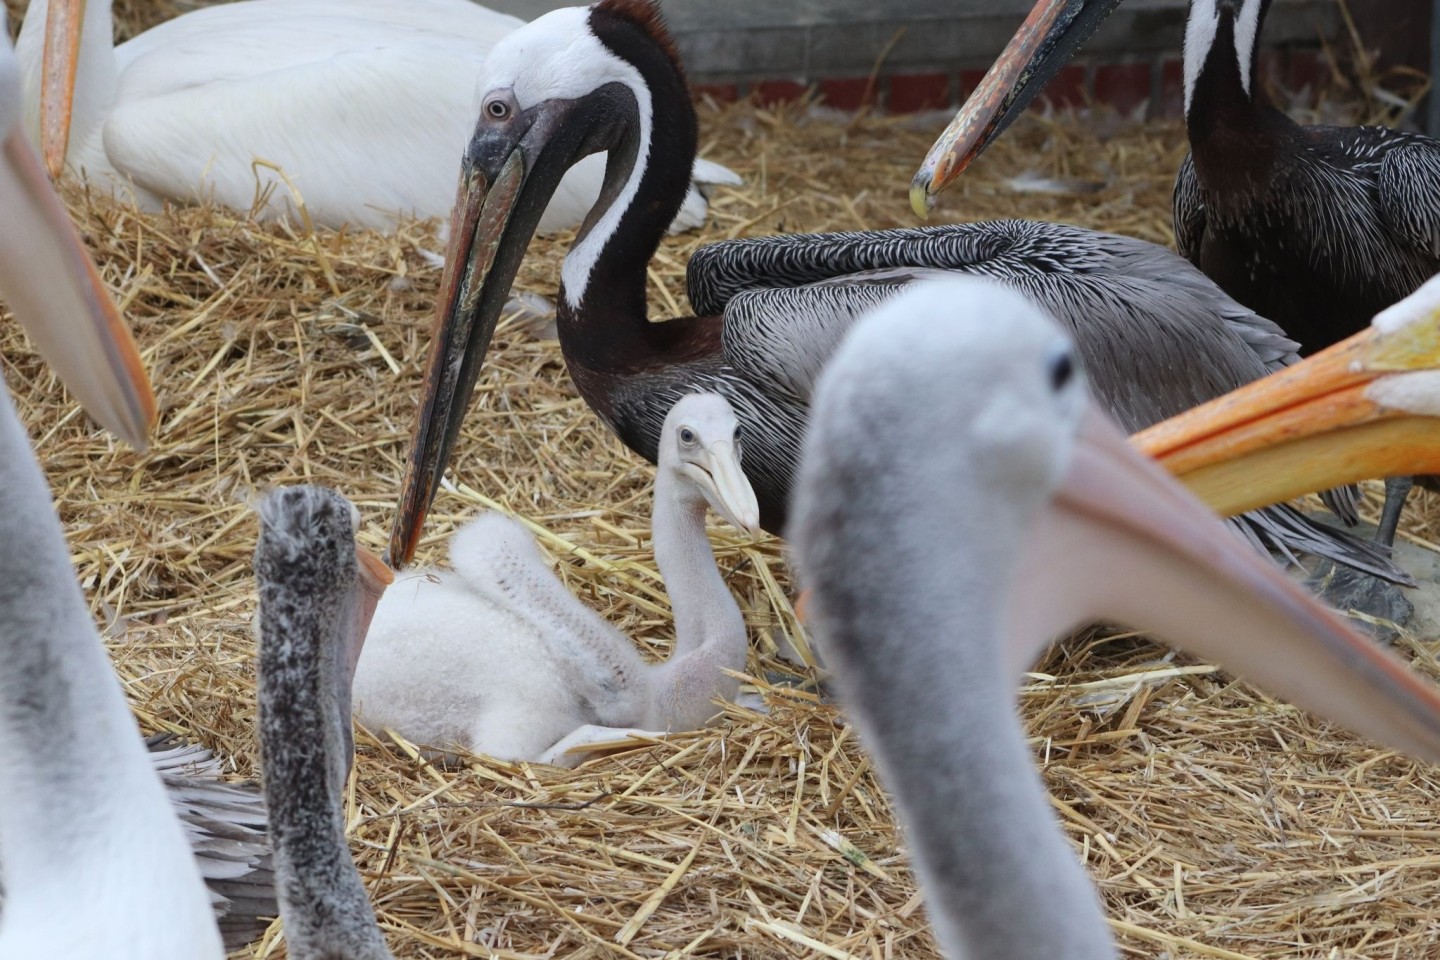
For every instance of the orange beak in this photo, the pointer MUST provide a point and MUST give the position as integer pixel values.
(1365, 408)
(64, 24)
(47, 279)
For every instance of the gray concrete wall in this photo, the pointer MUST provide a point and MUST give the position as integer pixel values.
(811, 40)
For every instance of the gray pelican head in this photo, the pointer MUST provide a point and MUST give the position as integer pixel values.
(961, 501)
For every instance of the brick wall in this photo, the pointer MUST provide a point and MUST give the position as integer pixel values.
(929, 54)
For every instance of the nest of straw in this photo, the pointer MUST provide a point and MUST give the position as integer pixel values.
(1216, 821)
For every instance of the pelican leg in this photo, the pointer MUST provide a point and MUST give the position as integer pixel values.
(580, 744)
(1397, 491)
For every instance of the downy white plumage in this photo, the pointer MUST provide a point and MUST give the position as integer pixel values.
(497, 657)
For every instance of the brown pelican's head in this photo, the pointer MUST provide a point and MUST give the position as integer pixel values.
(48, 281)
(701, 443)
(574, 82)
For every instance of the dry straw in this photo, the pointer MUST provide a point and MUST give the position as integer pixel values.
(1216, 822)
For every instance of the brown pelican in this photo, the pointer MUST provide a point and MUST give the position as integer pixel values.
(318, 590)
(498, 657)
(1315, 227)
(929, 607)
(1158, 334)
(360, 106)
(86, 819)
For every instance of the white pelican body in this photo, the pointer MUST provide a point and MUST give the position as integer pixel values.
(498, 657)
(95, 864)
(365, 105)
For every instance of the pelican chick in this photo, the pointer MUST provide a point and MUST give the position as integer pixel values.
(497, 657)
(930, 608)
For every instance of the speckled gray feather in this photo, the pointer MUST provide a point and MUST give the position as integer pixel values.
(307, 575)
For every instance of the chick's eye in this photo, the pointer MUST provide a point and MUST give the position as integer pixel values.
(497, 109)
(1062, 370)
(687, 436)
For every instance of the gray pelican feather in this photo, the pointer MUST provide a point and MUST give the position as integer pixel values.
(226, 824)
(1157, 336)
(768, 311)
(927, 607)
(318, 590)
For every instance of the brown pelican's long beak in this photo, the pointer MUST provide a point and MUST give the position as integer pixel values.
(1044, 43)
(1122, 541)
(47, 279)
(1365, 408)
(64, 24)
(508, 175)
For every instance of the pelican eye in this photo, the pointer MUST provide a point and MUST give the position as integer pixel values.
(497, 109)
(687, 436)
(1062, 370)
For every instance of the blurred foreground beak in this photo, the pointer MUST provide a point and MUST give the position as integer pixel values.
(47, 279)
(63, 22)
(1123, 542)
(1363, 409)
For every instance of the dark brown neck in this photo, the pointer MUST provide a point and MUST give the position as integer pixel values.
(649, 173)
(1236, 135)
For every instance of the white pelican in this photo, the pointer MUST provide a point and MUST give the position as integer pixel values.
(498, 657)
(95, 862)
(318, 589)
(365, 105)
(80, 813)
(961, 393)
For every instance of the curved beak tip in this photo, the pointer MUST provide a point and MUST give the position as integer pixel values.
(921, 199)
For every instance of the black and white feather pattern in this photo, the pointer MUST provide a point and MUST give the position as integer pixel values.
(1156, 336)
(1348, 223)
(226, 824)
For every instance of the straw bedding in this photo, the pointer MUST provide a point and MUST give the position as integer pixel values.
(1216, 822)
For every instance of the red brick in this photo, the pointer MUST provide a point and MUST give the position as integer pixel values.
(1066, 88)
(770, 92)
(1306, 68)
(845, 93)
(969, 80)
(921, 91)
(1269, 71)
(1172, 90)
(1124, 86)
(719, 92)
